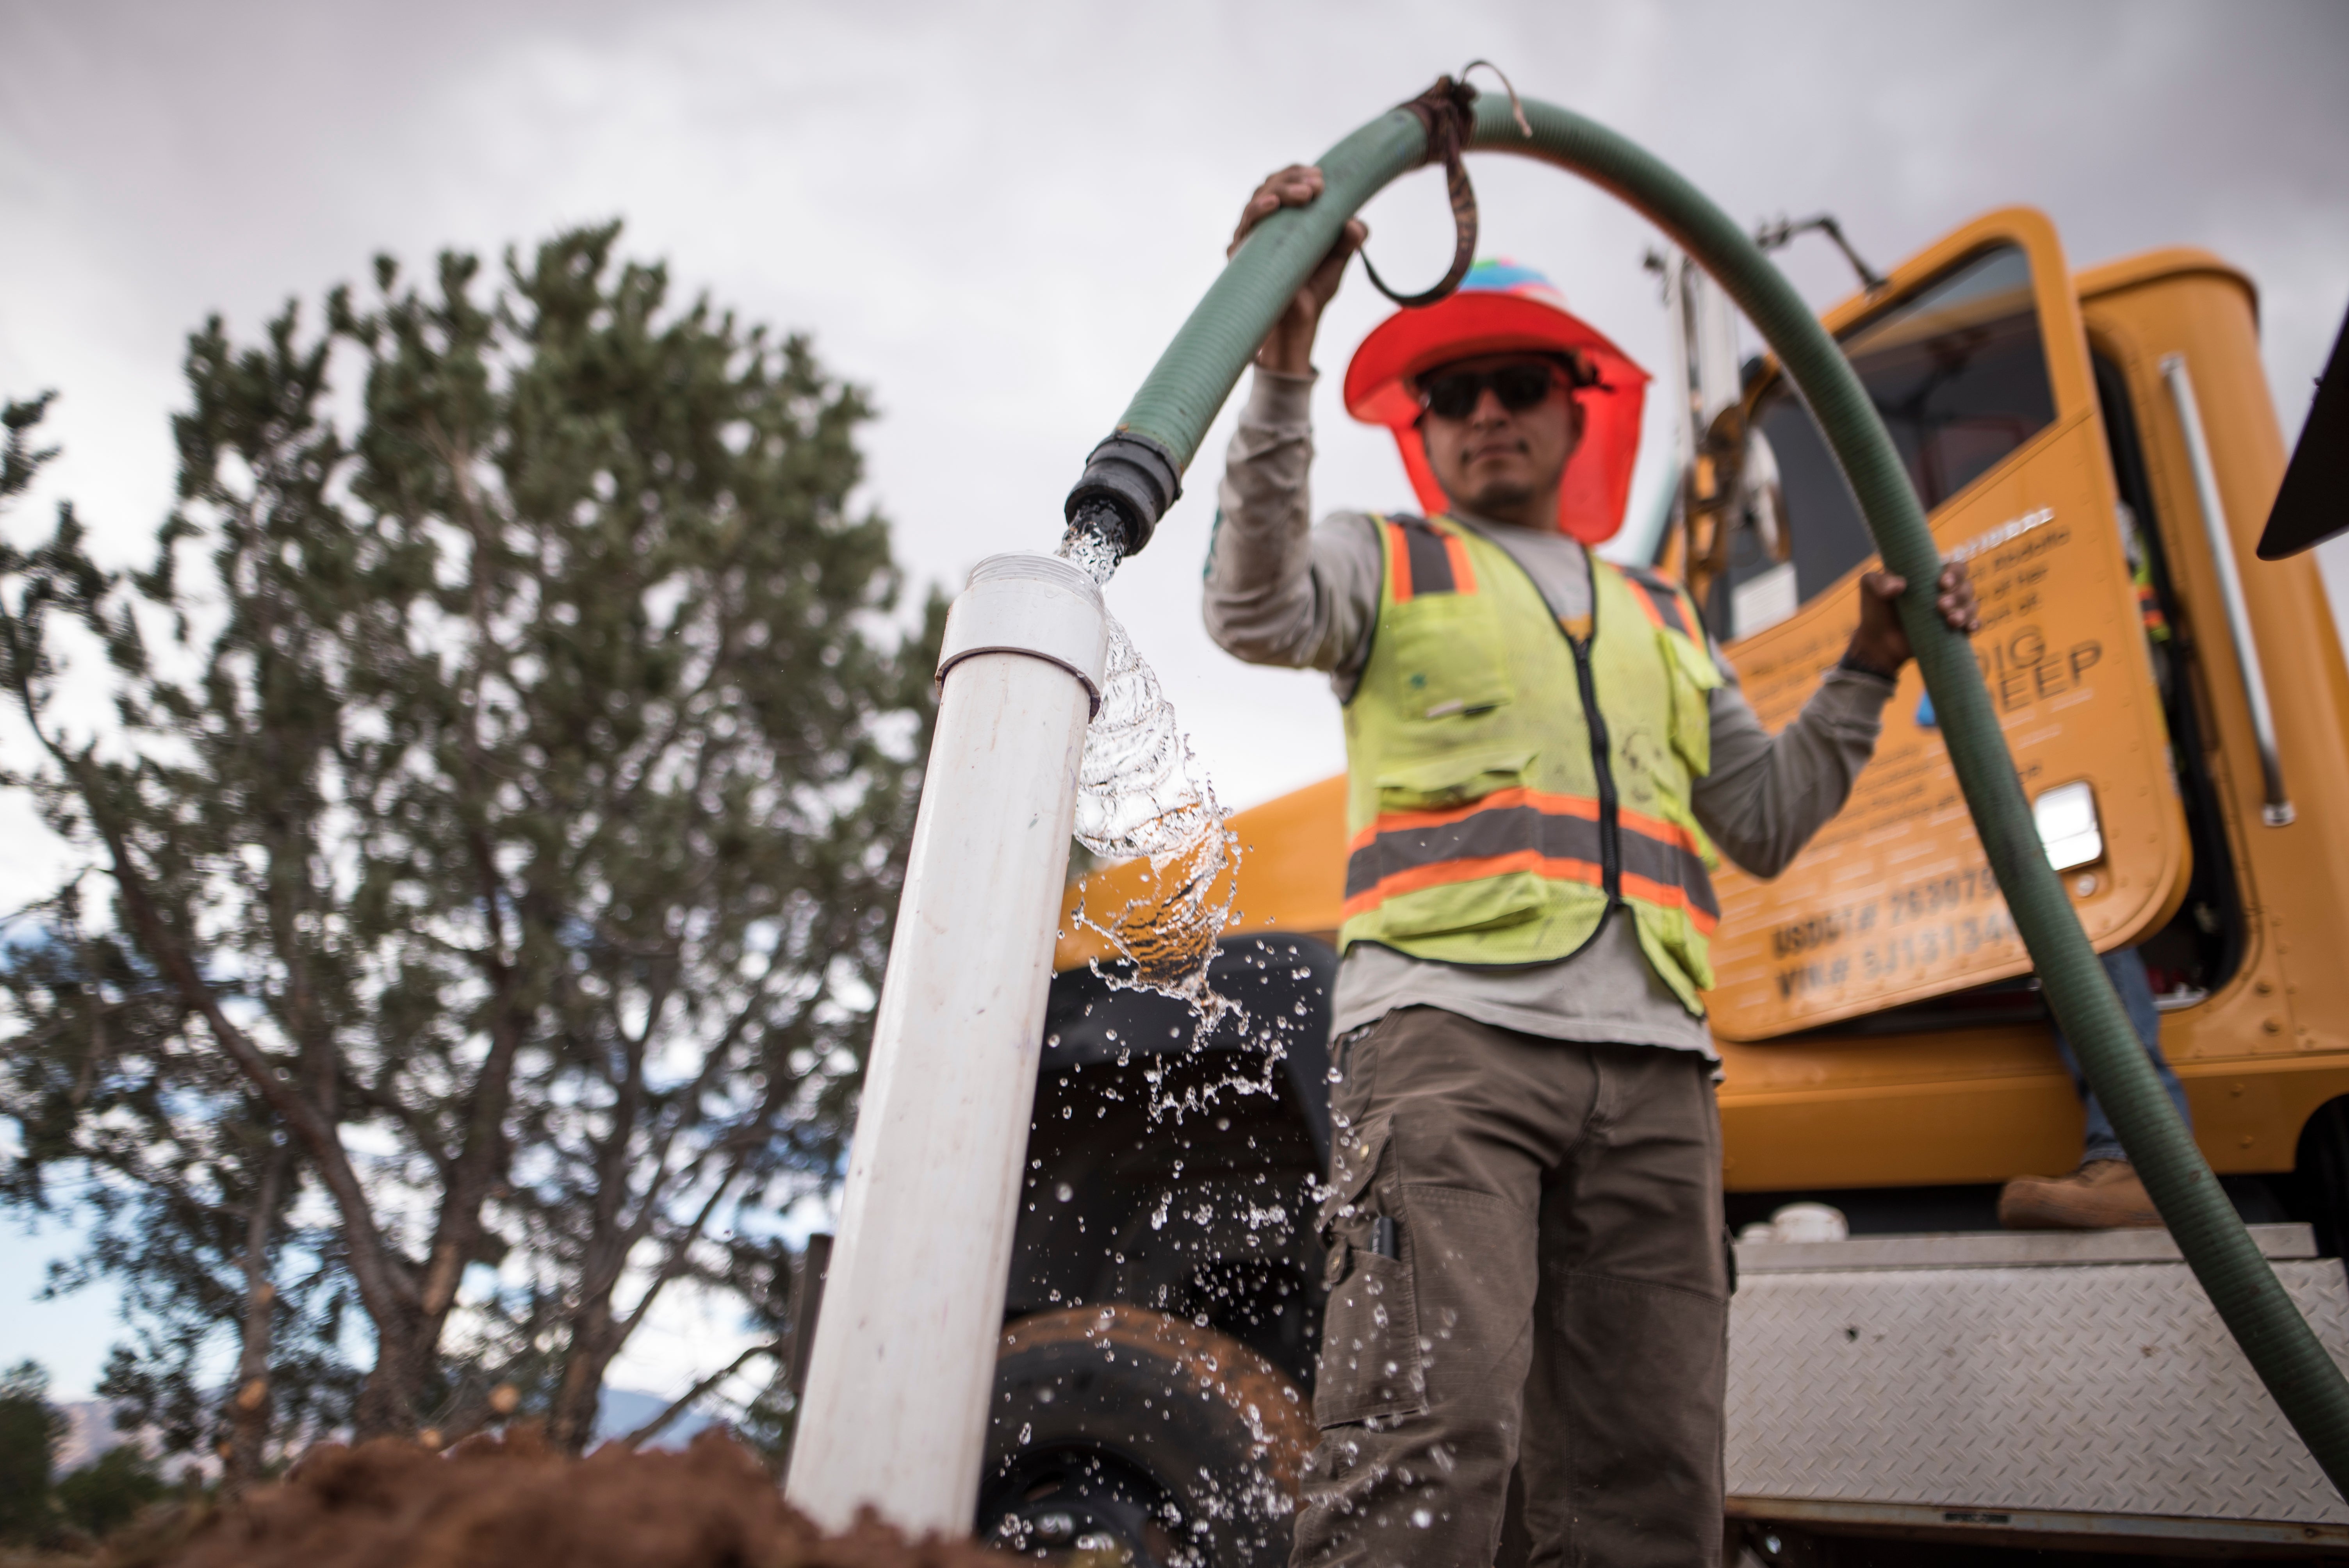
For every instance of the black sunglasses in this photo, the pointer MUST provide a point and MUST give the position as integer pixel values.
(1455, 394)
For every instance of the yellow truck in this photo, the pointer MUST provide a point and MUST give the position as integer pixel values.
(2101, 446)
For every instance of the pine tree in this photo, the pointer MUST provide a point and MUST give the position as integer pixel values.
(501, 839)
(30, 1428)
(107, 1493)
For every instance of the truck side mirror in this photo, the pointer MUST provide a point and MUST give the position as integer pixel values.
(2309, 508)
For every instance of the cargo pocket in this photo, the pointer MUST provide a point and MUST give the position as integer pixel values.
(1446, 653)
(1494, 902)
(1694, 676)
(1490, 901)
(1370, 1362)
(1677, 953)
(1454, 779)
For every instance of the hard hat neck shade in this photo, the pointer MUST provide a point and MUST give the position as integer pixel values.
(1507, 310)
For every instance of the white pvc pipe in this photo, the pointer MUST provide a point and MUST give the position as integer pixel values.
(895, 1407)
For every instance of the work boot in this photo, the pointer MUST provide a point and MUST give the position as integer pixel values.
(2101, 1195)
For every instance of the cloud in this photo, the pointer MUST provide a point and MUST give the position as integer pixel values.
(994, 215)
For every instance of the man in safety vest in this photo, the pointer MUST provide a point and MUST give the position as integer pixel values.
(1526, 1258)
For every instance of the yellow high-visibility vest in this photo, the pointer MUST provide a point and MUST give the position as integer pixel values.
(1491, 821)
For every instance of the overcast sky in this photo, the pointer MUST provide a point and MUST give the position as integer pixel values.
(993, 216)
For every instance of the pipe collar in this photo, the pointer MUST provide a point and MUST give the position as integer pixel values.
(1038, 606)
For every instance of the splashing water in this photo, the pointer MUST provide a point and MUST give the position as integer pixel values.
(1091, 544)
(1142, 795)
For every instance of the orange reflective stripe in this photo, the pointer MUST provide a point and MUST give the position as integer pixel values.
(1659, 863)
(1448, 871)
(1672, 833)
(1499, 799)
(1662, 863)
(1670, 896)
(1422, 559)
(1463, 575)
(1663, 601)
(1647, 602)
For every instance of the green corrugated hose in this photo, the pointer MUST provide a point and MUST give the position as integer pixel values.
(1199, 369)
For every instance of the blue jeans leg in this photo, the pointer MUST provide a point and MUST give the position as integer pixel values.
(2127, 971)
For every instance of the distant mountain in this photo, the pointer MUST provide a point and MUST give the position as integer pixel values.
(90, 1429)
(89, 1433)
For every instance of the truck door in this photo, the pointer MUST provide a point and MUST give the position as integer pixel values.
(1975, 355)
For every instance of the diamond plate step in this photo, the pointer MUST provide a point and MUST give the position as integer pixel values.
(1943, 1372)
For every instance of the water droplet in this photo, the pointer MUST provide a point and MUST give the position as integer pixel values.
(1421, 1519)
(1064, 1192)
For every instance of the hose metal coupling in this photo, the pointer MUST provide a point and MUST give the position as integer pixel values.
(1133, 476)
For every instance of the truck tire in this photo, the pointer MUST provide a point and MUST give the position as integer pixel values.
(1119, 1434)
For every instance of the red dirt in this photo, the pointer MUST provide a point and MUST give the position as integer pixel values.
(512, 1503)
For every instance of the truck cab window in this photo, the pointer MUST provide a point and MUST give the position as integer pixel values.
(1958, 374)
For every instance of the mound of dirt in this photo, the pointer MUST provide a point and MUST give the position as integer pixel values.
(513, 1502)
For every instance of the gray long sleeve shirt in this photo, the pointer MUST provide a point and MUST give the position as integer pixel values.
(1280, 591)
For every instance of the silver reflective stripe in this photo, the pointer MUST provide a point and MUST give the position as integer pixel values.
(2278, 811)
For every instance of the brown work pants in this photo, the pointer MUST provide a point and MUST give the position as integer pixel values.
(1556, 1300)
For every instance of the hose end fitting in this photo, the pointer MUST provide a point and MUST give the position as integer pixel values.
(1134, 477)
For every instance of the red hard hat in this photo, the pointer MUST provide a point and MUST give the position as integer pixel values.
(1501, 307)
